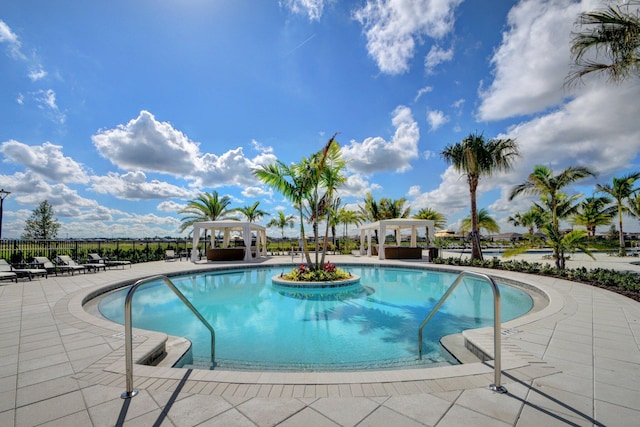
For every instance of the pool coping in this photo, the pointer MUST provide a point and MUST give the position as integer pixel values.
(149, 343)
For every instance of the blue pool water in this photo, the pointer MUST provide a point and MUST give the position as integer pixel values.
(373, 325)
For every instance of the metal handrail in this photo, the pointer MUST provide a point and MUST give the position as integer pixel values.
(496, 324)
(128, 345)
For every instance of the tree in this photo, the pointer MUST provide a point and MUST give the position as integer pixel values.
(476, 157)
(41, 225)
(348, 217)
(532, 219)
(543, 182)
(613, 33)
(282, 222)
(386, 208)
(621, 189)
(439, 220)
(593, 212)
(252, 213)
(485, 222)
(206, 207)
(302, 184)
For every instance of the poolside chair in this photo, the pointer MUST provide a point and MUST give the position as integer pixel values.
(97, 259)
(42, 262)
(171, 255)
(65, 263)
(22, 272)
(8, 275)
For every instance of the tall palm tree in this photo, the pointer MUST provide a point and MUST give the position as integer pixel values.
(613, 33)
(439, 220)
(302, 184)
(532, 219)
(281, 222)
(620, 190)
(476, 157)
(371, 211)
(485, 222)
(252, 213)
(206, 207)
(348, 217)
(543, 182)
(593, 212)
(391, 209)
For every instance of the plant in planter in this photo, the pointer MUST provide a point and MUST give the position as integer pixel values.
(328, 273)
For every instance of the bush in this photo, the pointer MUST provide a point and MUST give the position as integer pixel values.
(625, 283)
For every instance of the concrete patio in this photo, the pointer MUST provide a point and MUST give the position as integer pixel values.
(576, 362)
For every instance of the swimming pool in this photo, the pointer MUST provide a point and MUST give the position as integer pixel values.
(372, 325)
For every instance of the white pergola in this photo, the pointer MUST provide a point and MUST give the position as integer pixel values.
(227, 227)
(397, 224)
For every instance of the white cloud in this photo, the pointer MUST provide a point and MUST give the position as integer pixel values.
(134, 186)
(46, 100)
(451, 196)
(393, 27)
(435, 57)
(436, 118)
(254, 191)
(312, 8)
(421, 92)
(374, 154)
(533, 60)
(11, 39)
(47, 160)
(37, 74)
(428, 154)
(356, 186)
(147, 144)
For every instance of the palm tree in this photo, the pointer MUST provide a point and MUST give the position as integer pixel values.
(477, 157)
(485, 222)
(252, 213)
(371, 211)
(543, 182)
(391, 209)
(613, 33)
(621, 190)
(348, 217)
(281, 222)
(593, 212)
(302, 183)
(439, 220)
(532, 219)
(206, 207)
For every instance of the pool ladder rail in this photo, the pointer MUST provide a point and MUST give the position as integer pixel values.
(496, 324)
(128, 339)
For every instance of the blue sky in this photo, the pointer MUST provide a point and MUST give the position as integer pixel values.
(120, 112)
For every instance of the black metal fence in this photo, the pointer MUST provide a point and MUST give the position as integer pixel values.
(134, 250)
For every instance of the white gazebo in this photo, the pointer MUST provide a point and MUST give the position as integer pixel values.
(245, 228)
(395, 225)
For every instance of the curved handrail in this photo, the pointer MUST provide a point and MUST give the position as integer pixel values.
(128, 345)
(496, 324)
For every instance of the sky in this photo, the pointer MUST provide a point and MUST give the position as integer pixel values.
(118, 113)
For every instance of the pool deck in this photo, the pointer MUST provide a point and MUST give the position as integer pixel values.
(576, 362)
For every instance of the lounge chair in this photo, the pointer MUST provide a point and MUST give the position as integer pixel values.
(97, 259)
(8, 275)
(45, 263)
(5, 267)
(171, 255)
(65, 263)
